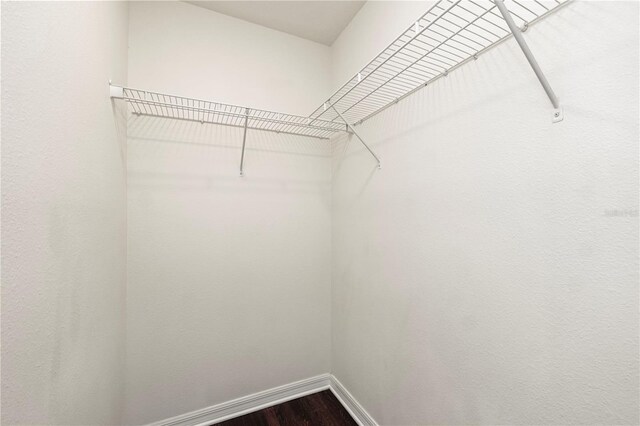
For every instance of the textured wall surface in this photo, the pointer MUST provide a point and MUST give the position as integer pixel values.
(228, 278)
(488, 274)
(63, 213)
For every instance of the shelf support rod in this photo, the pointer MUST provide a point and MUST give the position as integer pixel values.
(349, 126)
(517, 34)
(244, 140)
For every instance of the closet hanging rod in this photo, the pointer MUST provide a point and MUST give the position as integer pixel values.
(450, 34)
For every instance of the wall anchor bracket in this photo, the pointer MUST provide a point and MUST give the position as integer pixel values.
(558, 115)
(116, 91)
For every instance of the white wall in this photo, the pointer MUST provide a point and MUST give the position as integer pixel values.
(199, 53)
(376, 25)
(488, 274)
(63, 213)
(228, 278)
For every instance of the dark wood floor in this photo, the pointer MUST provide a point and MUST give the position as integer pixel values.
(318, 409)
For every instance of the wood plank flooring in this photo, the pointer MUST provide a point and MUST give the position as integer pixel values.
(318, 409)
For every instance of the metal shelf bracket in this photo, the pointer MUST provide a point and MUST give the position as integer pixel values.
(517, 34)
(244, 141)
(349, 126)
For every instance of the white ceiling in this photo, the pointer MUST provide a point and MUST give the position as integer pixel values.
(319, 21)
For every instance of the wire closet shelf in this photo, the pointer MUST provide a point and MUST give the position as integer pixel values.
(449, 34)
(178, 107)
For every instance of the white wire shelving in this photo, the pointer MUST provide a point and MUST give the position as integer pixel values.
(156, 104)
(450, 34)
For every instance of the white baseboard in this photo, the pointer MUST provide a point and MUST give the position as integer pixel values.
(354, 408)
(257, 401)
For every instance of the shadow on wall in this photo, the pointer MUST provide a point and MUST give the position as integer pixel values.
(178, 155)
(120, 111)
(346, 147)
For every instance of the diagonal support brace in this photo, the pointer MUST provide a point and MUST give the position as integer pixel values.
(244, 141)
(349, 126)
(517, 34)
